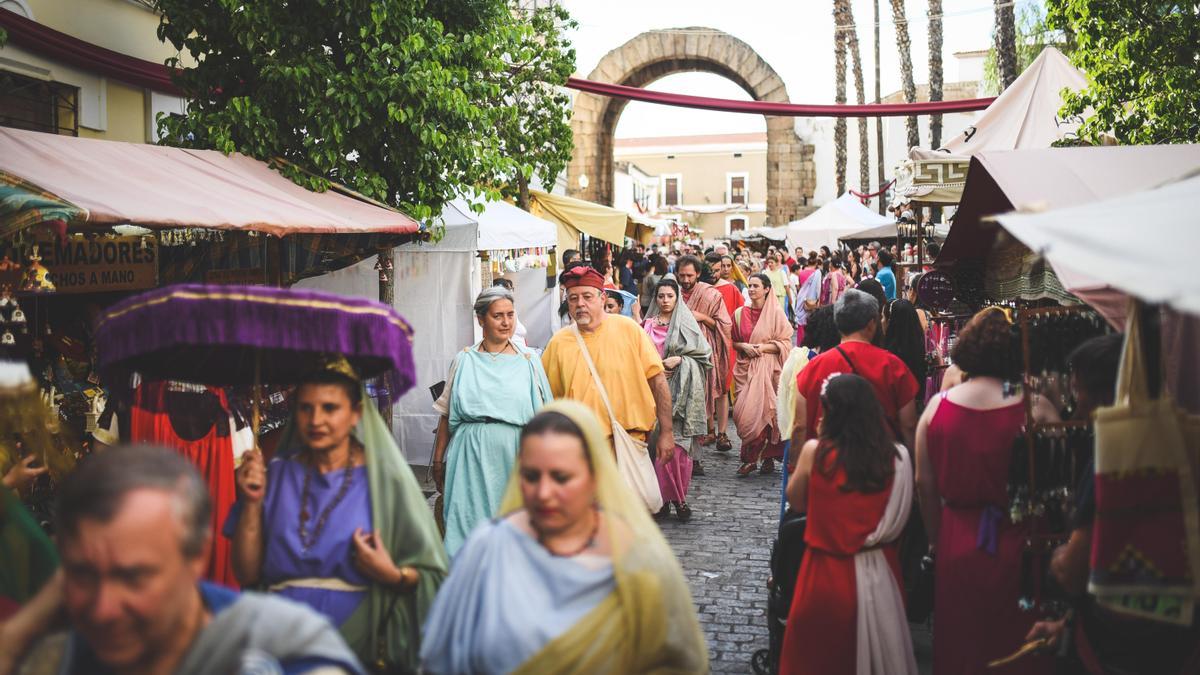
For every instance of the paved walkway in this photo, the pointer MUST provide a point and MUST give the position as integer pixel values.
(725, 551)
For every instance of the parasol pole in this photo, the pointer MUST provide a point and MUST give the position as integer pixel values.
(255, 412)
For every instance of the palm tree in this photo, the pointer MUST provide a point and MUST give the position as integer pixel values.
(864, 152)
(878, 120)
(904, 46)
(839, 75)
(1006, 42)
(935, 69)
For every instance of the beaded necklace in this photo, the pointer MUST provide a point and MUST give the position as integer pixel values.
(307, 540)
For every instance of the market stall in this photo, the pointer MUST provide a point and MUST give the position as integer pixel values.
(440, 281)
(842, 216)
(85, 222)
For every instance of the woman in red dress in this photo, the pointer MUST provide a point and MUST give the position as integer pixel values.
(847, 614)
(964, 444)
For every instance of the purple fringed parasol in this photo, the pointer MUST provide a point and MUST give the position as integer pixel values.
(214, 335)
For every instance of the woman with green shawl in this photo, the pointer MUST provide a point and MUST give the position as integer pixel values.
(338, 522)
(574, 578)
(687, 356)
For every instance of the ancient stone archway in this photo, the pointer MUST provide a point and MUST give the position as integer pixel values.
(650, 56)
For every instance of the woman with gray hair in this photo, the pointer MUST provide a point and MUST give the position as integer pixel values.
(494, 387)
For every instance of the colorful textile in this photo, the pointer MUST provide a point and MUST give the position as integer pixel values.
(826, 604)
(810, 289)
(528, 597)
(28, 554)
(707, 300)
(491, 398)
(24, 205)
(625, 359)
(194, 423)
(833, 285)
(733, 299)
(894, 385)
(646, 624)
(387, 624)
(975, 591)
(675, 475)
(779, 285)
(687, 381)
(582, 276)
(755, 380)
(1145, 558)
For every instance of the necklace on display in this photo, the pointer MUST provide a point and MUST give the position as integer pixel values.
(306, 539)
(484, 347)
(591, 540)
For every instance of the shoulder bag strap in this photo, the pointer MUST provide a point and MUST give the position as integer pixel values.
(847, 357)
(587, 357)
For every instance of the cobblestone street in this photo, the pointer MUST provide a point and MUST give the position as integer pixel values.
(725, 551)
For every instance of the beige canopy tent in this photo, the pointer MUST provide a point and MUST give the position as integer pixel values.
(1025, 115)
(93, 182)
(576, 216)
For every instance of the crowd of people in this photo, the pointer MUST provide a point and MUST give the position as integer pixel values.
(544, 555)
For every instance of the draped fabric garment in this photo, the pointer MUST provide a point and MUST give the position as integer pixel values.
(707, 300)
(387, 624)
(688, 383)
(847, 615)
(756, 380)
(29, 557)
(491, 398)
(976, 590)
(733, 299)
(196, 425)
(645, 624)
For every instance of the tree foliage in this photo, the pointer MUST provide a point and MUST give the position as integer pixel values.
(1142, 58)
(406, 101)
(1033, 35)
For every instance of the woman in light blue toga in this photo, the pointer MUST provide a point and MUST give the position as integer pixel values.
(493, 389)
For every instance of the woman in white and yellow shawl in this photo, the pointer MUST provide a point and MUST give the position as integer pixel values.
(574, 578)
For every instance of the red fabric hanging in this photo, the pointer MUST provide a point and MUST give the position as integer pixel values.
(212, 454)
(779, 109)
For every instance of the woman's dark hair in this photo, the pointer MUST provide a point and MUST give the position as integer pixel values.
(552, 422)
(618, 297)
(1095, 363)
(874, 289)
(766, 280)
(853, 424)
(352, 388)
(825, 251)
(836, 263)
(666, 283)
(821, 333)
(986, 346)
(905, 338)
(660, 264)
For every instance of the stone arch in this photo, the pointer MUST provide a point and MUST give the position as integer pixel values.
(650, 56)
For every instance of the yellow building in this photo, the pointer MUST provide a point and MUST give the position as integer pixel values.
(715, 183)
(89, 68)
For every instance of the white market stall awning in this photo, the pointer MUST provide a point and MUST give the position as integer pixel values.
(842, 216)
(1025, 115)
(1096, 243)
(153, 186)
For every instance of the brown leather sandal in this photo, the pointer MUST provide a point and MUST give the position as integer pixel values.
(747, 469)
(723, 443)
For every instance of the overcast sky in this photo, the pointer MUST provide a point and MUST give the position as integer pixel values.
(794, 36)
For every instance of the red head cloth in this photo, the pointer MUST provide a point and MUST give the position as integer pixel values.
(582, 276)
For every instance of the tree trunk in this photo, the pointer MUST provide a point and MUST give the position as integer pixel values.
(935, 70)
(904, 46)
(522, 192)
(879, 169)
(1006, 43)
(839, 74)
(864, 151)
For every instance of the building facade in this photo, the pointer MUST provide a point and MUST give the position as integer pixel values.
(80, 67)
(716, 184)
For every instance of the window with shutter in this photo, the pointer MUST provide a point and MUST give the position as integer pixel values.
(671, 192)
(737, 190)
(37, 105)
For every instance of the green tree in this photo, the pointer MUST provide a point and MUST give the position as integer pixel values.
(406, 101)
(1142, 58)
(1033, 34)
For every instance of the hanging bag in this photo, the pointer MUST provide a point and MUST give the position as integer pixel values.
(1145, 558)
(633, 459)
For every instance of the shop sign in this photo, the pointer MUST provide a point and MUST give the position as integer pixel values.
(936, 290)
(99, 265)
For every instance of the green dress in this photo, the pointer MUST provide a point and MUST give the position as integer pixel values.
(491, 397)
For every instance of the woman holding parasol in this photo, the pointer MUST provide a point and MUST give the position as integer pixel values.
(337, 519)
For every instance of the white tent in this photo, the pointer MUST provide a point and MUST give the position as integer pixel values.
(1025, 115)
(842, 216)
(436, 285)
(1091, 245)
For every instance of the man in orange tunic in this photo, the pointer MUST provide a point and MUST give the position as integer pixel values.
(708, 306)
(724, 267)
